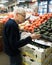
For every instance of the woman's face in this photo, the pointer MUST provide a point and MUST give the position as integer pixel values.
(20, 18)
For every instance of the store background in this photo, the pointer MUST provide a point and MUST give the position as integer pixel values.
(41, 7)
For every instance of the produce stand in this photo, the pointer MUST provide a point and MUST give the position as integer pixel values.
(39, 52)
(39, 21)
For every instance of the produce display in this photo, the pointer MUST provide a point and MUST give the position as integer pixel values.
(35, 14)
(45, 30)
(40, 25)
(5, 17)
(36, 23)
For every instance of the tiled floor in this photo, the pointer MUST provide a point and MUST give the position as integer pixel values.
(4, 59)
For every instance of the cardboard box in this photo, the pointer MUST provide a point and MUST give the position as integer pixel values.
(36, 53)
(30, 61)
(42, 54)
(1, 43)
(1, 32)
(1, 28)
(1, 25)
(26, 60)
(28, 52)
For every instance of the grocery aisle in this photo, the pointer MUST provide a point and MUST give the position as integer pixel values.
(4, 59)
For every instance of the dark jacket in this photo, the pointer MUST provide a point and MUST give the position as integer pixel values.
(11, 37)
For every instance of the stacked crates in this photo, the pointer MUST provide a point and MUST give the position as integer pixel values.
(33, 55)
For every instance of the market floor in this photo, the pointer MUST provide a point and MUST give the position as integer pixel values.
(4, 59)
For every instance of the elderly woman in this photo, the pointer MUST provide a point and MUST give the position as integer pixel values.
(11, 37)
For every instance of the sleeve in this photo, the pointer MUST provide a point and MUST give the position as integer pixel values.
(15, 42)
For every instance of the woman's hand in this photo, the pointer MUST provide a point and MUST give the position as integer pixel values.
(35, 36)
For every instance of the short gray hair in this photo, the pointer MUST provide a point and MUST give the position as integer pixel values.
(19, 10)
